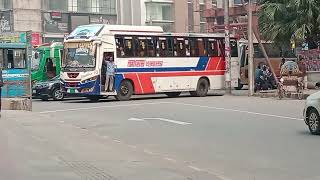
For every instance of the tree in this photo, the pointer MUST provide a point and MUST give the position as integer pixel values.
(284, 20)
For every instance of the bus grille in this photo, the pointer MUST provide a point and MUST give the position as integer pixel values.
(73, 75)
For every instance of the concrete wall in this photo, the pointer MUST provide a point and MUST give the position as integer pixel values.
(27, 15)
(180, 16)
(136, 12)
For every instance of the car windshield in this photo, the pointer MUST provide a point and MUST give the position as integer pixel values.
(79, 55)
(36, 58)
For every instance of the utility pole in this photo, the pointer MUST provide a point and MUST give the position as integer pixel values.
(227, 47)
(250, 47)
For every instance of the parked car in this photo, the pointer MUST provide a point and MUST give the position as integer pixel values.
(311, 113)
(48, 89)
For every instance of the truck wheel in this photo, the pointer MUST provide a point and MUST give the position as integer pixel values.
(173, 94)
(202, 88)
(125, 92)
(57, 95)
(313, 122)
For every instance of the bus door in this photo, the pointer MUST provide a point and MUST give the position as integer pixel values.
(244, 57)
(108, 69)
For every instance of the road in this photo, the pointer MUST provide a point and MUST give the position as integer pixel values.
(210, 138)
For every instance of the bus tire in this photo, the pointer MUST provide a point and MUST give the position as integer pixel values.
(125, 92)
(94, 98)
(202, 88)
(172, 94)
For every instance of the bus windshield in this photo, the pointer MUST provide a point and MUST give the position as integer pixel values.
(79, 55)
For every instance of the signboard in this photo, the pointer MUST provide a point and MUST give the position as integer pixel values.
(103, 19)
(55, 22)
(311, 59)
(20, 38)
(5, 22)
(16, 83)
(86, 31)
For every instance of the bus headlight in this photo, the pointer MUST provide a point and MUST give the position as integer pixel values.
(89, 80)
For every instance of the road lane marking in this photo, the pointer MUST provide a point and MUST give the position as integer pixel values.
(195, 168)
(169, 159)
(160, 119)
(132, 146)
(240, 111)
(148, 152)
(100, 107)
(135, 119)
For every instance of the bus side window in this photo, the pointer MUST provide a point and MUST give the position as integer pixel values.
(201, 47)
(120, 46)
(221, 48)
(163, 47)
(234, 48)
(128, 47)
(187, 45)
(194, 47)
(142, 47)
(180, 47)
(212, 47)
(170, 50)
(151, 46)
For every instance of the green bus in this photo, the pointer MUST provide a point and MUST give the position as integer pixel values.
(46, 62)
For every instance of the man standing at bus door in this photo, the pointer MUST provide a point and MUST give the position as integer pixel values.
(110, 71)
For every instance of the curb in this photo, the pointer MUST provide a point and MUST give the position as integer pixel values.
(274, 95)
(16, 104)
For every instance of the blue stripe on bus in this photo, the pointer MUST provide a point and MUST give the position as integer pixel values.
(202, 64)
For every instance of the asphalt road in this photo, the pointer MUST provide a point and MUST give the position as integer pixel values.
(215, 137)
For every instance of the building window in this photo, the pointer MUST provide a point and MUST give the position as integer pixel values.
(57, 5)
(159, 12)
(73, 5)
(5, 4)
(83, 6)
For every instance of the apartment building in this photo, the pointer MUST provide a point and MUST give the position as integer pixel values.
(173, 15)
(51, 20)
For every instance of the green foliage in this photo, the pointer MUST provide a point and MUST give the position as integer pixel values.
(282, 20)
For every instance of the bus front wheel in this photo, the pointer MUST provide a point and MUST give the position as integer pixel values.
(125, 92)
(202, 88)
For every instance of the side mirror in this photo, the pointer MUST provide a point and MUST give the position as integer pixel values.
(36, 55)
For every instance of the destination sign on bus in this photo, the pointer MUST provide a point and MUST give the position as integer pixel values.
(144, 63)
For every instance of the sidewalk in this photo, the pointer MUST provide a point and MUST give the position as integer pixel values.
(15, 104)
(273, 93)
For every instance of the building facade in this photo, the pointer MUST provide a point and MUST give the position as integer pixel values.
(51, 20)
(173, 15)
(238, 10)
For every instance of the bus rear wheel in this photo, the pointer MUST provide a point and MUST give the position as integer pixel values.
(202, 88)
(125, 92)
(173, 94)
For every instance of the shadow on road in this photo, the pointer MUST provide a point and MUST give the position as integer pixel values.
(135, 98)
(305, 133)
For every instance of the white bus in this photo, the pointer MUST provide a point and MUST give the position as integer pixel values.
(147, 61)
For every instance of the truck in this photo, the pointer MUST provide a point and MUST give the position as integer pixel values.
(46, 62)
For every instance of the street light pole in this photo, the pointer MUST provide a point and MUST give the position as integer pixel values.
(250, 47)
(227, 47)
